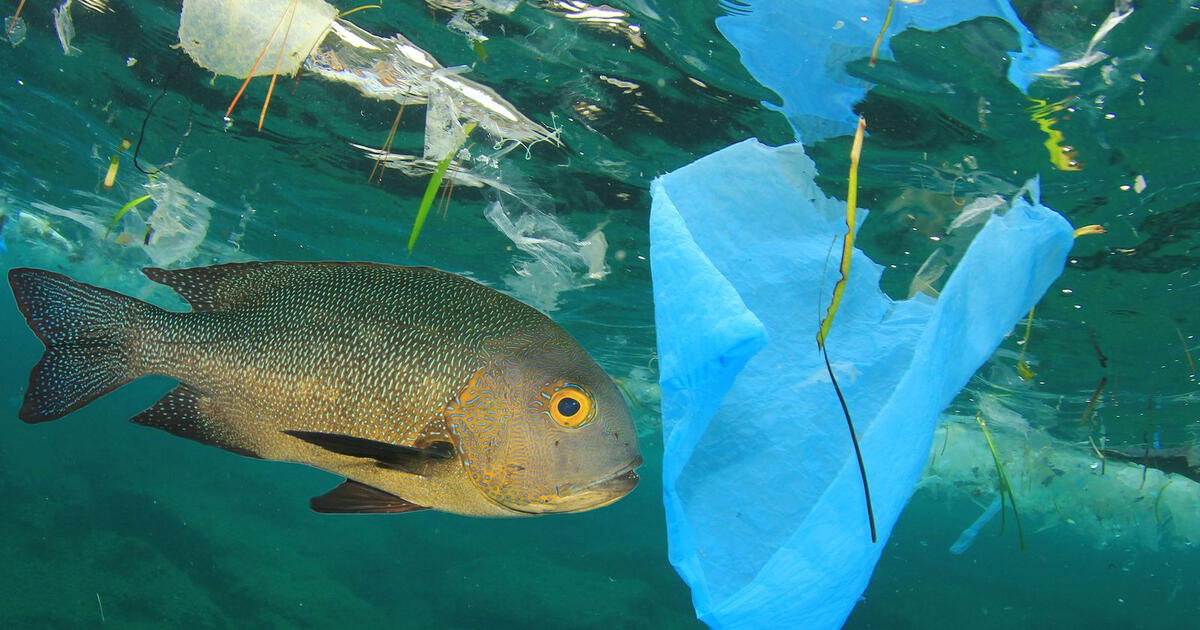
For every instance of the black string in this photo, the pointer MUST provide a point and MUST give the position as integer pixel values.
(862, 469)
(149, 112)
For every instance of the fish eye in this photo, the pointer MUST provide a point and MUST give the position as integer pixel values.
(571, 407)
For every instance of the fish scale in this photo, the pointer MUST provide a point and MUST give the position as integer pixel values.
(423, 388)
(337, 328)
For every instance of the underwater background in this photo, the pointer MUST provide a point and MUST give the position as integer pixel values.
(109, 523)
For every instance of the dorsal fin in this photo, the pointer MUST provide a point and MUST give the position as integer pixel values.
(219, 286)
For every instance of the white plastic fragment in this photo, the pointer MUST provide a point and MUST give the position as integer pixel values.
(416, 166)
(930, 272)
(229, 37)
(554, 260)
(65, 27)
(14, 29)
(459, 22)
(1060, 484)
(977, 212)
(593, 249)
(500, 6)
(396, 69)
(1091, 56)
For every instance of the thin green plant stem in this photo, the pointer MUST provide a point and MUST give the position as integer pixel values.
(1005, 487)
(435, 183)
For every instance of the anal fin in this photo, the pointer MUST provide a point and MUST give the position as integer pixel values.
(178, 412)
(353, 497)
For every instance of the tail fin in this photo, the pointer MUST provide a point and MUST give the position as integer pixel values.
(84, 329)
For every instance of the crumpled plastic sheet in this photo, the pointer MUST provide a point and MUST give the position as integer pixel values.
(798, 49)
(555, 259)
(765, 513)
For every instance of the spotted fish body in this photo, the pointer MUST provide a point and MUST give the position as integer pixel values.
(423, 388)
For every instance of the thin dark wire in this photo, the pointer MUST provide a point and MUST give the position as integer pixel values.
(146, 120)
(862, 468)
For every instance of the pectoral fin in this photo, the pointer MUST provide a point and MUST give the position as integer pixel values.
(403, 458)
(353, 497)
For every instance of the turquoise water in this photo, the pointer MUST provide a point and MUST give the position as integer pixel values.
(109, 523)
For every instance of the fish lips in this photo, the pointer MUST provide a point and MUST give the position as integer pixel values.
(594, 495)
(604, 491)
(620, 483)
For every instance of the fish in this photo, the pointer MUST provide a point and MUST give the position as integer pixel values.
(423, 389)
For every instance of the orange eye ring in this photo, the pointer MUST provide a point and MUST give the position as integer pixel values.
(571, 407)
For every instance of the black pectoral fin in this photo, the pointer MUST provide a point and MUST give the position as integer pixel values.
(403, 458)
(353, 497)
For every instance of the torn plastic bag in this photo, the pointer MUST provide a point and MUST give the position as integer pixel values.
(765, 513)
(799, 49)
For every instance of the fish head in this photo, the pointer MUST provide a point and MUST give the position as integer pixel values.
(545, 430)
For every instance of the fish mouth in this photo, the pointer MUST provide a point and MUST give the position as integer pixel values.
(620, 482)
(596, 494)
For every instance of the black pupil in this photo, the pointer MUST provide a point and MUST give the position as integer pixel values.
(568, 407)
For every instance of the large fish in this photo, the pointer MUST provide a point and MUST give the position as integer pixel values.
(424, 389)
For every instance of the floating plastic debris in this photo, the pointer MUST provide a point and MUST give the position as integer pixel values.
(599, 17)
(556, 262)
(499, 6)
(930, 272)
(1091, 56)
(977, 212)
(594, 249)
(170, 233)
(391, 68)
(98, 6)
(14, 29)
(396, 69)
(65, 27)
(778, 536)
(179, 222)
(1059, 485)
(468, 24)
(416, 166)
(967, 537)
(231, 37)
(36, 230)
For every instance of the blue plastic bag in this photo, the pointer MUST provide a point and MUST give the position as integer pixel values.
(798, 49)
(765, 513)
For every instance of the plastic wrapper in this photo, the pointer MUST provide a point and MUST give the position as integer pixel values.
(229, 37)
(14, 29)
(1065, 485)
(65, 27)
(179, 222)
(394, 68)
(765, 513)
(555, 259)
